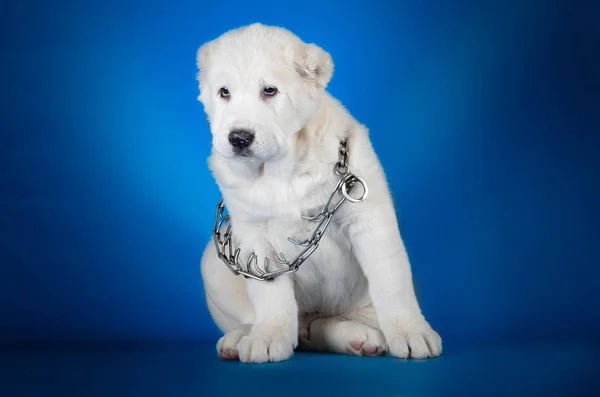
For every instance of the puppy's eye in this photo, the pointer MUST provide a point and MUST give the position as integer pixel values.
(270, 90)
(224, 92)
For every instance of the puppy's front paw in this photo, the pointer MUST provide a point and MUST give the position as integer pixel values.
(267, 344)
(407, 339)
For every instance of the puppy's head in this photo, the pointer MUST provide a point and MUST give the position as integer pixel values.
(259, 85)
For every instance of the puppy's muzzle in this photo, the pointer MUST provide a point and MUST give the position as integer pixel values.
(240, 139)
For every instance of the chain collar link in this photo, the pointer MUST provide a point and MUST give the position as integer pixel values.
(250, 269)
(341, 168)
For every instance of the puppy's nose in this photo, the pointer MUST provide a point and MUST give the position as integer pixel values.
(241, 139)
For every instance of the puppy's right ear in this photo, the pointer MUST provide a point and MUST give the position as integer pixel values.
(202, 55)
(202, 62)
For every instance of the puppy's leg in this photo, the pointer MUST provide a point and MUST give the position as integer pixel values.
(227, 301)
(378, 246)
(341, 334)
(382, 256)
(274, 334)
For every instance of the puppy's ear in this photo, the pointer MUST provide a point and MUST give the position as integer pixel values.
(314, 64)
(202, 62)
(203, 55)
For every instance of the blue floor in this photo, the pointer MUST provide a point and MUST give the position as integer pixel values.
(566, 370)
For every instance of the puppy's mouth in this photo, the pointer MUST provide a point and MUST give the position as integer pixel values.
(242, 152)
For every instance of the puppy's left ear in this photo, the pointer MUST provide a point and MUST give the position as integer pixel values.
(315, 64)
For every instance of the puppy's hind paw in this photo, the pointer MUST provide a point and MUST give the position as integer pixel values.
(227, 346)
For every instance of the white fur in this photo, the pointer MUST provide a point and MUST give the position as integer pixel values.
(355, 293)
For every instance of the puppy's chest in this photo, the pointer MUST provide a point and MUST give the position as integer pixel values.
(268, 199)
(288, 220)
(288, 229)
(330, 280)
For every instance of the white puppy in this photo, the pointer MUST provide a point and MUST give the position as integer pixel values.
(276, 137)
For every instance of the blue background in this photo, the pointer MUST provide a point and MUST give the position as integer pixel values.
(485, 115)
